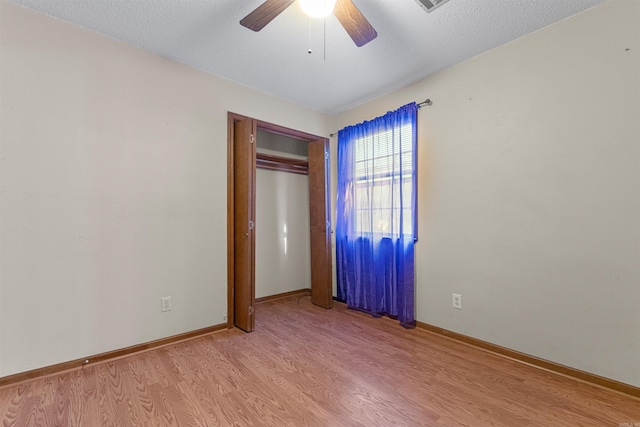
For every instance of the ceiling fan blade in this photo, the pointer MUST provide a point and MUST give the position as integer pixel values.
(264, 14)
(354, 22)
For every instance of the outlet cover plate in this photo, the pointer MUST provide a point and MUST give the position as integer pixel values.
(457, 301)
(165, 304)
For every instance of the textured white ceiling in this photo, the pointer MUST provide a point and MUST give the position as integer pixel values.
(337, 75)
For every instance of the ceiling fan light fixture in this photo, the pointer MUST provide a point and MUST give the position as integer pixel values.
(317, 8)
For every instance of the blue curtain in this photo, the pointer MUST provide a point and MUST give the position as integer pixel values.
(376, 217)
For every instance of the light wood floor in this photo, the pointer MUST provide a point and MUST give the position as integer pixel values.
(308, 366)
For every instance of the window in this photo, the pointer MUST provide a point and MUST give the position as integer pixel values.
(384, 181)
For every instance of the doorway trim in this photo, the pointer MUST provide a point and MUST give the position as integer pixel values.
(271, 128)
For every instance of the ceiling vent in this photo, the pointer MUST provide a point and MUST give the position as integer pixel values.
(431, 5)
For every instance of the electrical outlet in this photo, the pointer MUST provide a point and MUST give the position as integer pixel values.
(457, 301)
(165, 304)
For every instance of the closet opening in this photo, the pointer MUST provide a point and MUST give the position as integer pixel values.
(246, 138)
(283, 245)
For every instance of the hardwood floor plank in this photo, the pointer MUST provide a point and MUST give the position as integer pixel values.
(205, 389)
(106, 411)
(84, 402)
(57, 412)
(137, 389)
(7, 396)
(201, 406)
(307, 366)
(12, 400)
(28, 413)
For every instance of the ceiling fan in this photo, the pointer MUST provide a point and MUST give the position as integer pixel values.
(347, 13)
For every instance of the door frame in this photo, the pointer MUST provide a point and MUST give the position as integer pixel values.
(271, 128)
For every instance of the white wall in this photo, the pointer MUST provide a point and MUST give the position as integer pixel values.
(113, 178)
(283, 262)
(530, 192)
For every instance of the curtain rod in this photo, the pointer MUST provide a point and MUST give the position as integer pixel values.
(425, 102)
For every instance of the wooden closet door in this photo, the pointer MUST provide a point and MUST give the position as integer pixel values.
(320, 217)
(244, 153)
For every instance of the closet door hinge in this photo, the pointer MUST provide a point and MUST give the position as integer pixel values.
(251, 225)
(253, 138)
(250, 310)
(326, 155)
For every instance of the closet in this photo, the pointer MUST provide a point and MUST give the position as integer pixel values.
(283, 209)
(282, 215)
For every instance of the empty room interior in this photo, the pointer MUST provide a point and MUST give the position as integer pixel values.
(187, 221)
